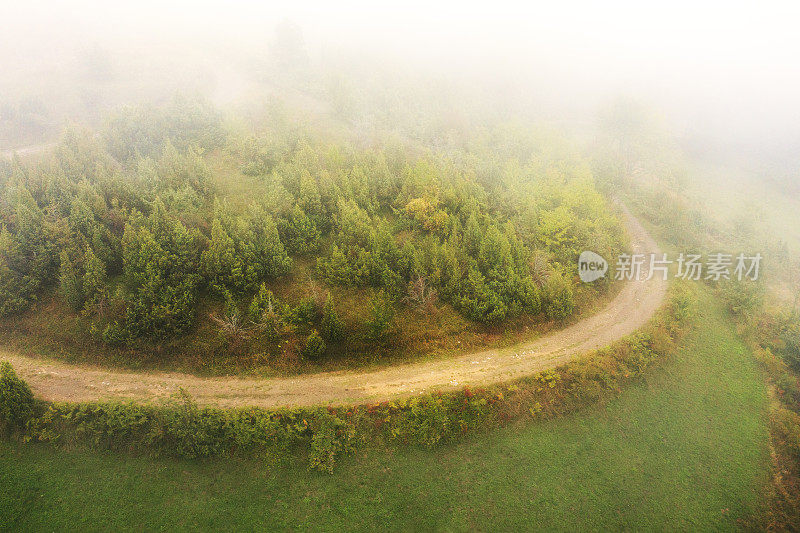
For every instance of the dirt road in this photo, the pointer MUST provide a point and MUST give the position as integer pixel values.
(630, 309)
(26, 150)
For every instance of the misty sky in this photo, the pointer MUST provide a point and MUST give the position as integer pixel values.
(723, 66)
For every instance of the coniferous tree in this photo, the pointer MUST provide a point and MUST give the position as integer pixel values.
(331, 326)
(315, 346)
(94, 279)
(12, 295)
(381, 316)
(27, 255)
(299, 232)
(70, 283)
(559, 301)
(264, 302)
(262, 249)
(264, 312)
(222, 266)
(160, 263)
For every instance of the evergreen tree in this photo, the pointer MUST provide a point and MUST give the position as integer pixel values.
(70, 284)
(480, 301)
(558, 297)
(381, 316)
(299, 232)
(13, 293)
(336, 268)
(94, 278)
(332, 328)
(264, 312)
(261, 247)
(222, 266)
(473, 235)
(309, 197)
(27, 256)
(243, 251)
(264, 302)
(35, 244)
(494, 252)
(160, 264)
(315, 346)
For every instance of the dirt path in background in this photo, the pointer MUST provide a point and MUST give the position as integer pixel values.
(26, 150)
(631, 309)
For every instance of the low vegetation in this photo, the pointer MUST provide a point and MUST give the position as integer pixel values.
(324, 434)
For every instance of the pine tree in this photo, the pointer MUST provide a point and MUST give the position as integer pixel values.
(480, 301)
(160, 265)
(332, 327)
(472, 235)
(494, 253)
(264, 312)
(94, 279)
(264, 302)
(34, 242)
(381, 318)
(222, 266)
(264, 253)
(336, 268)
(13, 295)
(27, 256)
(558, 297)
(309, 198)
(70, 284)
(299, 232)
(315, 346)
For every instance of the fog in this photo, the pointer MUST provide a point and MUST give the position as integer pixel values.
(718, 74)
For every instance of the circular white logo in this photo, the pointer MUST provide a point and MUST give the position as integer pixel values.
(591, 266)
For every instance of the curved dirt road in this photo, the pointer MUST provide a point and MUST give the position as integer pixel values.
(630, 309)
(25, 151)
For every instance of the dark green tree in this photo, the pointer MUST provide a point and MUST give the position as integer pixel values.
(262, 249)
(222, 266)
(331, 326)
(315, 346)
(263, 312)
(70, 282)
(94, 279)
(299, 232)
(160, 262)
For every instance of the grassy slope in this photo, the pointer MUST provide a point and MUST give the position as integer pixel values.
(687, 450)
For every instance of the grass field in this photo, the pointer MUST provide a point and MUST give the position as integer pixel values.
(685, 450)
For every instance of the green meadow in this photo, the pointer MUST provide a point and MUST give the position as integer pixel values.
(684, 449)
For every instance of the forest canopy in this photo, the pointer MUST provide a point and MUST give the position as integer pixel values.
(165, 211)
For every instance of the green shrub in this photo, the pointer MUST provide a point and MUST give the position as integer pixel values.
(194, 432)
(263, 303)
(16, 401)
(330, 438)
(742, 297)
(114, 334)
(314, 347)
(559, 300)
(331, 325)
(381, 318)
(304, 313)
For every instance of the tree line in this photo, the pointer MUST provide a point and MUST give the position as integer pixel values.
(132, 228)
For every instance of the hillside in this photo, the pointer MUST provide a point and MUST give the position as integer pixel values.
(181, 239)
